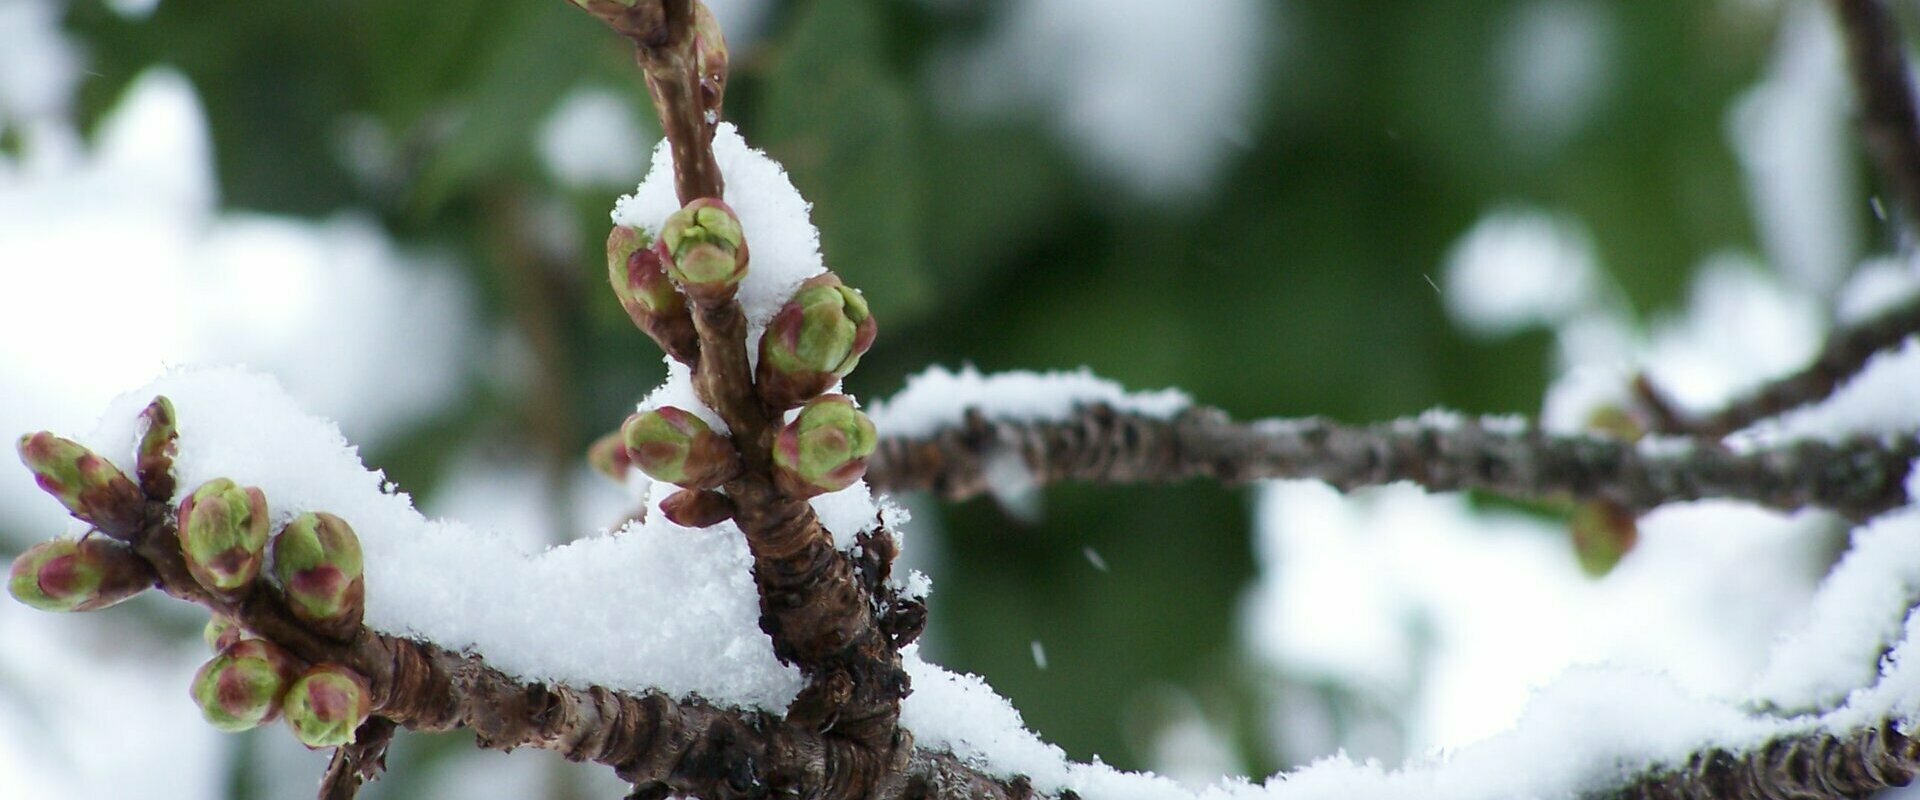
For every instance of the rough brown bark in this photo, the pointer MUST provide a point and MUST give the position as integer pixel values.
(1809, 766)
(1098, 444)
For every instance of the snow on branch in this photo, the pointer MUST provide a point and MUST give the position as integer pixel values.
(1072, 427)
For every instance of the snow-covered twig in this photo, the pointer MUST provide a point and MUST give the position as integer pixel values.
(1846, 352)
(1858, 478)
(1889, 125)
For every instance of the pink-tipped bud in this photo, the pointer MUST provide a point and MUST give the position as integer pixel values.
(242, 687)
(91, 487)
(327, 705)
(674, 446)
(1603, 533)
(704, 250)
(696, 508)
(159, 437)
(317, 560)
(221, 632)
(824, 449)
(85, 574)
(656, 307)
(813, 342)
(223, 535)
(608, 455)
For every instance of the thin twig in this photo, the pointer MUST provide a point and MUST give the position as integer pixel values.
(359, 762)
(1889, 124)
(1097, 444)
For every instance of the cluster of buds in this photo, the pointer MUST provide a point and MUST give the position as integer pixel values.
(85, 574)
(704, 250)
(813, 342)
(639, 278)
(91, 487)
(824, 449)
(252, 682)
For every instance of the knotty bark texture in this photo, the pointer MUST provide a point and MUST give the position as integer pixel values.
(1859, 478)
(1790, 768)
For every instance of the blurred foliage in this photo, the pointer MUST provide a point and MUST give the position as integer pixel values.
(1301, 282)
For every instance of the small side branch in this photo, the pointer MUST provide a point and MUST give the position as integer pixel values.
(1843, 356)
(1889, 125)
(1813, 765)
(1098, 444)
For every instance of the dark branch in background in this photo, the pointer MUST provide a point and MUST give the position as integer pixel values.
(1889, 125)
(1845, 354)
(1807, 766)
(1858, 478)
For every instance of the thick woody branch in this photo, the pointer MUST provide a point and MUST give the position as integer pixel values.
(1889, 125)
(1098, 444)
(1808, 766)
(1843, 356)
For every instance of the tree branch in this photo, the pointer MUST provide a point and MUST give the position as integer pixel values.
(1858, 479)
(1809, 766)
(1889, 125)
(1844, 355)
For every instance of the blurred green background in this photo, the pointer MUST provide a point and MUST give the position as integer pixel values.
(1297, 277)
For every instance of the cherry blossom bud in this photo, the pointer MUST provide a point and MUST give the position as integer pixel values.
(813, 342)
(1603, 533)
(86, 574)
(608, 455)
(159, 438)
(673, 445)
(221, 632)
(710, 57)
(695, 508)
(242, 687)
(317, 560)
(824, 449)
(640, 281)
(91, 487)
(223, 535)
(327, 705)
(704, 250)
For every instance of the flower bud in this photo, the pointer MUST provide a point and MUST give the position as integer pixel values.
(814, 341)
(317, 559)
(608, 455)
(673, 445)
(223, 535)
(655, 306)
(710, 58)
(221, 632)
(242, 687)
(825, 449)
(695, 508)
(1603, 533)
(704, 250)
(327, 705)
(158, 440)
(86, 574)
(91, 487)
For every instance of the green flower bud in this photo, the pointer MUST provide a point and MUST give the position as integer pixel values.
(674, 446)
(825, 449)
(1603, 533)
(223, 535)
(242, 687)
(608, 455)
(317, 559)
(158, 440)
(695, 508)
(86, 574)
(1616, 422)
(704, 250)
(814, 341)
(649, 296)
(221, 632)
(91, 487)
(327, 705)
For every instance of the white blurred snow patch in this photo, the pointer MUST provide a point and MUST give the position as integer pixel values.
(742, 22)
(939, 398)
(1794, 137)
(1160, 119)
(1741, 328)
(593, 139)
(134, 9)
(1875, 287)
(784, 245)
(1556, 62)
(39, 65)
(1518, 268)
